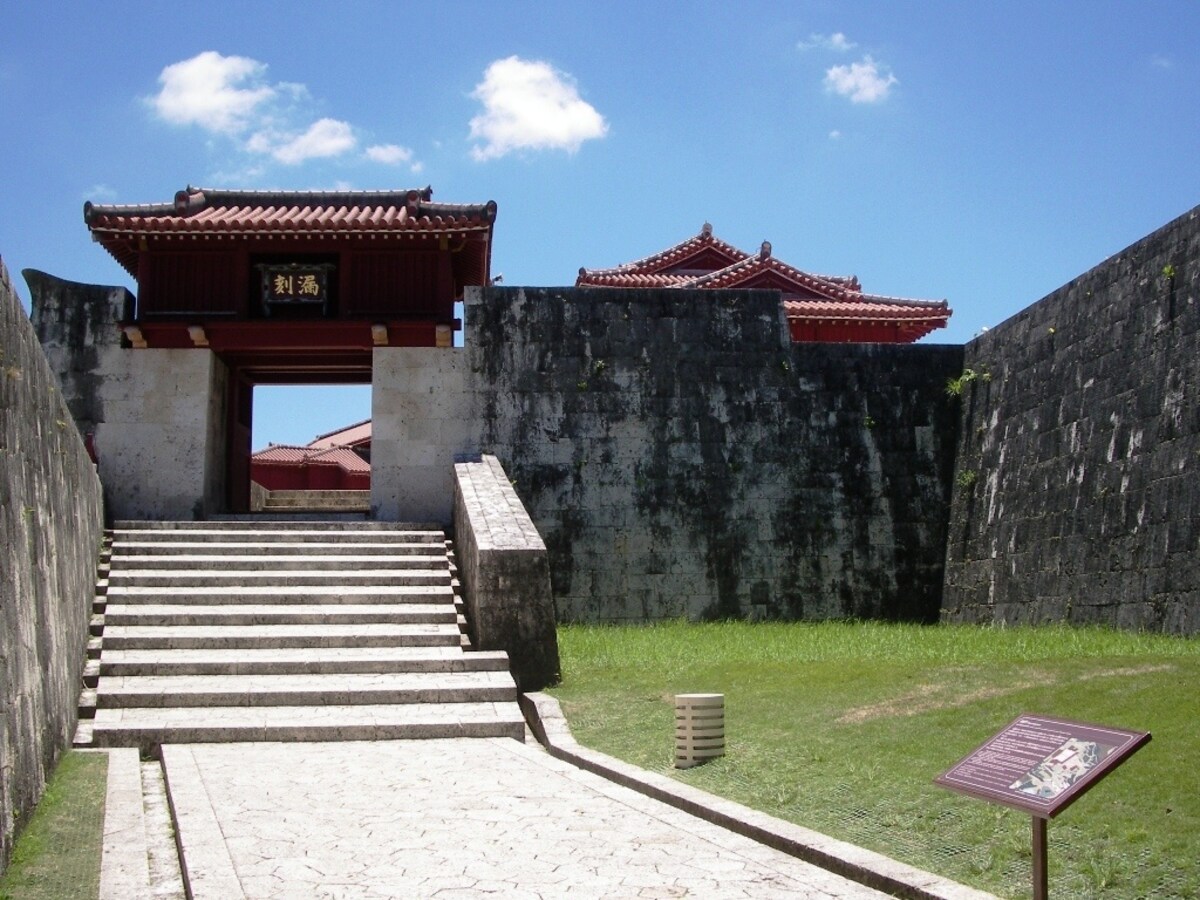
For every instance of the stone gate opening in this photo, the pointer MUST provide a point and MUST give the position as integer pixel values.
(237, 289)
(311, 448)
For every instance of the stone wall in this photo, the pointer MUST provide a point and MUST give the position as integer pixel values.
(157, 415)
(1077, 497)
(681, 457)
(423, 412)
(505, 573)
(52, 522)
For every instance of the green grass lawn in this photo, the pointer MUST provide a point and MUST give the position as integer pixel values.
(841, 727)
(57, 854)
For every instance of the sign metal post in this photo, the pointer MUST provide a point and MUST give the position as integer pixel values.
(1041, 880)
(1041, 765)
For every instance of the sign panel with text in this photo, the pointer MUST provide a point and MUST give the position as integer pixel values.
(1041, 764)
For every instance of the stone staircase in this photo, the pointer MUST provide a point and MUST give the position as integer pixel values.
(286, 631)
(317, 501)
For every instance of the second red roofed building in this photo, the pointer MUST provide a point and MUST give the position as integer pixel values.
(337, 461)
(819, 308)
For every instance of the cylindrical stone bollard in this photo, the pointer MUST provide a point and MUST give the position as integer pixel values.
(699, 728)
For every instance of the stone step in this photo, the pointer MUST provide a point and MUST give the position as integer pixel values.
(341, 689)
(285, 594)
(300, 629)
(300, 660)
(147, 728)
(269, 562)
(268, 537)
(252, 579)
(314, 504)
(158, 637)
(277, 614)
(252, 523)
(355, 547)
(299, 504)
(321, 517)
(323, 493)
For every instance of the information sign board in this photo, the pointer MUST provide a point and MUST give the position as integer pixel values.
(1041, 764)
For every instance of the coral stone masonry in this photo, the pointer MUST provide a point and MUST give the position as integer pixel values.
(1077, 497)
(51, 526)
(678, 450)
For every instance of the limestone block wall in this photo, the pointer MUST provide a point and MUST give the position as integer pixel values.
(505, 573)
(424, 414)
(1077, 497)
(157, 414)
(681, 457)
(160, 439)
(52, 521)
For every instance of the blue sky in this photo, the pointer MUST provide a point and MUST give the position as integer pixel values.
(985, 153)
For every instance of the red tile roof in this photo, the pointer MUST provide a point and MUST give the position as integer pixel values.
(208, 212)
(351, 435)
(331, 456)
(704, 261)
(674, 258)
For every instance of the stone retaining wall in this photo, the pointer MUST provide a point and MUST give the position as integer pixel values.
(681, 457)
(52, 520)
(504, 572)
(157, 415)
(1076, 496)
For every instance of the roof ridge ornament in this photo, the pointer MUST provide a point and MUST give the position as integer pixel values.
(189, 201)
(706, 230)
(764, 252)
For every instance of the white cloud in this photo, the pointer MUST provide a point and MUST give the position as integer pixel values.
(862, 82)
(230, 96)
(247, 174)
(218, 93)
(324, 138)
(389, 154)
(835, 135)
(836, 41)
(99, 192)
(528, 105)
(1161, 62)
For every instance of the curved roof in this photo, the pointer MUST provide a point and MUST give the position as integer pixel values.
(286, 454)
(347, 436)
(704, 261)
(672, 259)
(208, 212)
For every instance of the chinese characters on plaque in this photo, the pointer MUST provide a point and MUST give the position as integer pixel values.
(294, 286)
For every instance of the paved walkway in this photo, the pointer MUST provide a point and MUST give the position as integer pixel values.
(452, 818)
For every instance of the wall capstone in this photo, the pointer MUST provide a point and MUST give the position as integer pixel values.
(504, 573)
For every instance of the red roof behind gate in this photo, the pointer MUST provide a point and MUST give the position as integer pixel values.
(818, 307)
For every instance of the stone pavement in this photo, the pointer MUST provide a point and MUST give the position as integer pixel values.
(449, 818)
